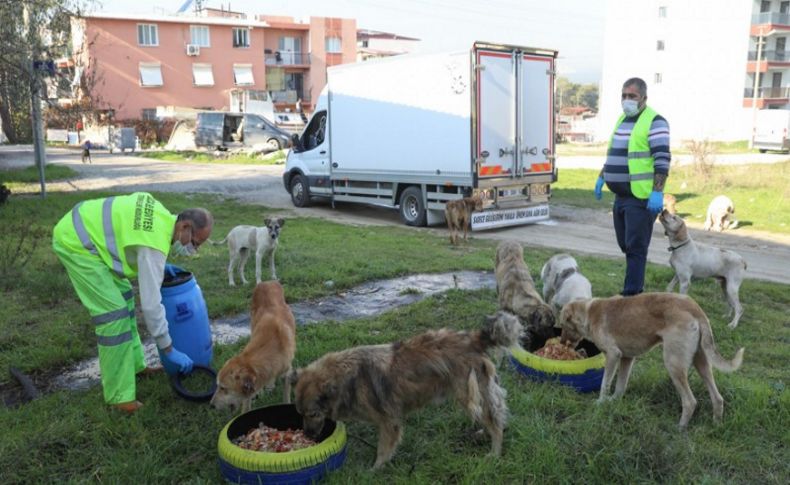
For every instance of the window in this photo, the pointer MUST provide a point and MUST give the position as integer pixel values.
(151, 74)
(657, 78)
(662, 12)
(149, 114)
(365, 43)
(241, 37)
(765, 6)
(242, 74)
(333, 45)
(784, 7)
(199, 35)
(202, 75)
(660, 45)
(147, 34)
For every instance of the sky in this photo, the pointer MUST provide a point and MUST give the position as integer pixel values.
(572, 27)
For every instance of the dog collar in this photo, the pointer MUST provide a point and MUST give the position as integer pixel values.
(672, 248)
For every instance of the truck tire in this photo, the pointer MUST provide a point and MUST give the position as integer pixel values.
(412, 207)
(300, 191)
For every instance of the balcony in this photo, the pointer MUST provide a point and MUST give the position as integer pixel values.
(289, 96)
(768, 96)
(771, 56)
(287, 59)
(771, 18)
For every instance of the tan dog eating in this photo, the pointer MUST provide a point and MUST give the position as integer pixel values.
(626, 328)
(267, 356)
(459, 215)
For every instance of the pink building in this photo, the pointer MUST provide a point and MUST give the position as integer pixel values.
(213, 60)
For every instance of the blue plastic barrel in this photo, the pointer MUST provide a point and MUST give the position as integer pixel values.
(187, 317)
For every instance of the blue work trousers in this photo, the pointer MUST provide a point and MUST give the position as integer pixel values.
(633, 224)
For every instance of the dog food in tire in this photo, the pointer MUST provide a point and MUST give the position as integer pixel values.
(584, 375)
(307, 465)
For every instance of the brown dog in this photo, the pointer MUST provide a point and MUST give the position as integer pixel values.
(670, 203)
(459, 215)
(517, 294)
(266, 356)
(625, 328)
(380, 384)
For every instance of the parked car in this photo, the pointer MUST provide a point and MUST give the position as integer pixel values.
(222, 130)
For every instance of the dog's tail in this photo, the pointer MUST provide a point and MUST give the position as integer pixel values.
(474, 403)
(502, 330)
(713, 355)
(217, 243)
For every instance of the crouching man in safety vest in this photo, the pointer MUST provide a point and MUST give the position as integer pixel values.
(104, 242)
(636, 169)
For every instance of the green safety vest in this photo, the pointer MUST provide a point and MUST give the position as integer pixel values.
(106, 227)
(640, 162)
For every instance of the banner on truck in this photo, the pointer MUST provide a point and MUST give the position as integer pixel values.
(509, 217)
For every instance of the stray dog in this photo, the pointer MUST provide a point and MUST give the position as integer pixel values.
(626, 328)
(459, 215)
(669, 203)
(690, 259)
(380, 384)
(517, 294)
(563, 282)
(721, 214)
(243, 239)
(267, 356)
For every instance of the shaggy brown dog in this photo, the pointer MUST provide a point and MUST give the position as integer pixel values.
(380, 384)
(266, 356)
(625, 328)
(459, 215)
(517, 294)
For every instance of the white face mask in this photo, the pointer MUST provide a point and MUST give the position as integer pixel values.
(630, 107)
(183, 250)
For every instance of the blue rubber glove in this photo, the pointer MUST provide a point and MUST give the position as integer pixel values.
(655, 203)
(178, 359)
(599, 188)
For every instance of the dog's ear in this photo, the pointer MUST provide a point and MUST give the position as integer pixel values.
(293, 376)
(281, 221)
(328, 394)
(267, 221)
(248, 385)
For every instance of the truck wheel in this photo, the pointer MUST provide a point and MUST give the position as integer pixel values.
(412, 207)
(300, 191)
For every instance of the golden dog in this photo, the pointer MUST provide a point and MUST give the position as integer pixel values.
(267, 356)
(625, 328)
(380, 384)
(459, 215)
(517, 294)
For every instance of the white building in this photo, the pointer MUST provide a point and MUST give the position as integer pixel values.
(698, 59)
(373, 44)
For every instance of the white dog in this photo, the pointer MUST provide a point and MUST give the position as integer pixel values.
(692, 259)
(244, 239)
(563, 282)
(721, 214)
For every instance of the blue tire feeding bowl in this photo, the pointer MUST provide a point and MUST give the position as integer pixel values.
(305, 466)
(584, 375)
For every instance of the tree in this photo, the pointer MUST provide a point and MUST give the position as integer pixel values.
(572, 94)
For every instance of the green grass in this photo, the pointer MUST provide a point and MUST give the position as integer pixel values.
(554, 435)
(599, 149)
(208, 157)
(18, 177)
(760, 192)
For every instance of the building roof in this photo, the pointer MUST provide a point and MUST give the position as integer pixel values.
(363, 34)
(575, 110)
(179, 19)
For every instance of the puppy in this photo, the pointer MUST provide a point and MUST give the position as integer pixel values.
(563, 282)
(691, 259)
(626, 328)
(267, 356)
(380, 384)
(721, 214)
(459, 215)
(669, 203)
(517, 294)
(245, 239)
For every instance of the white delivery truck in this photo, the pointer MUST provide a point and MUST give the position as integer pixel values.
(415, 131)
(771, 130)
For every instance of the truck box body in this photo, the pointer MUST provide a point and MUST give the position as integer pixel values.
(416, 131)
(771, 130)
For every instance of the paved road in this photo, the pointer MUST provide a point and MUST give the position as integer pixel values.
(581, 230)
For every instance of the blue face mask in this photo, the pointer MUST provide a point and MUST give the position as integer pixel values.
(630, 107)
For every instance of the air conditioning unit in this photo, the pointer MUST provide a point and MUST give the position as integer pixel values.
(193, 50)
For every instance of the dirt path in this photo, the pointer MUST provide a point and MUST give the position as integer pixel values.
(572, 229)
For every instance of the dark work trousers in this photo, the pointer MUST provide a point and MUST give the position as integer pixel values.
(633, 224)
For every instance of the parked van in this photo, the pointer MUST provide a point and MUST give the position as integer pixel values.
(220, 129)
(771, 130)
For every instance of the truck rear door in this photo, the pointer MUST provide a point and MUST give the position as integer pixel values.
(496, 113)
(536, 115)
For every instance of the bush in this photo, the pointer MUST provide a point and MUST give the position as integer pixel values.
(704, 155)
(18, 243)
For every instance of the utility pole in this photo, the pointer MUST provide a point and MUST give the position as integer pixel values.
(760, 42)
(34, 43)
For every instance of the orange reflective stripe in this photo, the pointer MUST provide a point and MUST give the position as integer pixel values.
(540, 167)
(491, 170)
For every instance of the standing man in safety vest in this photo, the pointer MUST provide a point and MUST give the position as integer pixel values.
(104, 242)
(636, 169)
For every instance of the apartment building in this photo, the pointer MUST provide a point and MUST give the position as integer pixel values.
(702, 61)
(214, 59)
(374, 44)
